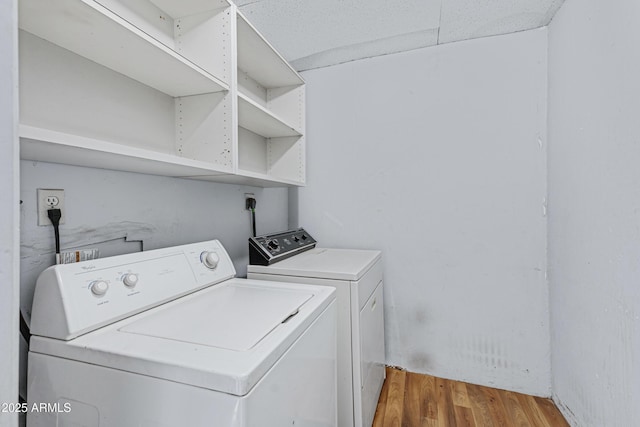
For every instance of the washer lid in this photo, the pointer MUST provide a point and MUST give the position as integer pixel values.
(211, 351)
(233, 318)
(322, 263)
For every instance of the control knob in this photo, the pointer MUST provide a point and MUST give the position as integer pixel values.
(99, 287)
(210, 259)
(273, 244)
(130, 280)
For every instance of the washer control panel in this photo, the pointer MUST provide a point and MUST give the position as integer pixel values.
(72, 299)
(271, 248)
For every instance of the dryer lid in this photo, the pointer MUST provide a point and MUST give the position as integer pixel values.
(233, 318)
(323, 263)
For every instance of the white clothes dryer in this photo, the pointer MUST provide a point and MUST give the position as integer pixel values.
(357, 277)
(170, 338)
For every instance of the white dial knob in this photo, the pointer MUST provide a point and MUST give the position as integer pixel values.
(130, 279)
(99, 287)
(210, 259)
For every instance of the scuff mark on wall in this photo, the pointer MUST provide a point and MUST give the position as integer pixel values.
(490, 352)
(421, 361)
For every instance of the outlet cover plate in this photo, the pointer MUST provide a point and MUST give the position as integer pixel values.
(49, 198)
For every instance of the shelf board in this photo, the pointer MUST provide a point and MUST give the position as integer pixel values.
(179, 9)
(243, 177)
(265, 177)
(45, 145)
(56, 147)
(94, 32)
(257, 119)
(261, 61)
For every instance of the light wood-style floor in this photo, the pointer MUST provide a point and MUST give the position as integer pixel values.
(409, 400)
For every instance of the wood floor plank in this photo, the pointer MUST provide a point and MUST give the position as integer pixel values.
(378, 419)
(459, 393)
(395, 399)
(464, 416)
(530, 406)
(515, 413)
(554, 417)
(429, 422)
(412, 397)
(496, 407)
(408, 399)
(429, 406)
(479, 406)
(446, 412)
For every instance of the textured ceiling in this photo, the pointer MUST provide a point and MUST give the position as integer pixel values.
(319, 33)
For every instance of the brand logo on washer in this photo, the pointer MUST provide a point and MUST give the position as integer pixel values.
(88, 267)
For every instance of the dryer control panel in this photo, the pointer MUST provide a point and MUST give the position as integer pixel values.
(271, 248)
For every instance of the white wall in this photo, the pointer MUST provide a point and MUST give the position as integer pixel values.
(9, 236)
(438, 157)
(105, 206)
(594, 211)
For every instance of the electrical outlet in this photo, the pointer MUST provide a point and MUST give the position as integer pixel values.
(248, 196)
(49, 199)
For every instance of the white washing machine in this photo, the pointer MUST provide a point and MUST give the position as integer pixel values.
(357, 277)
(170, 338)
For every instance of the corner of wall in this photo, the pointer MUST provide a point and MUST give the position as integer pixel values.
(567, 413)
(9, 217)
